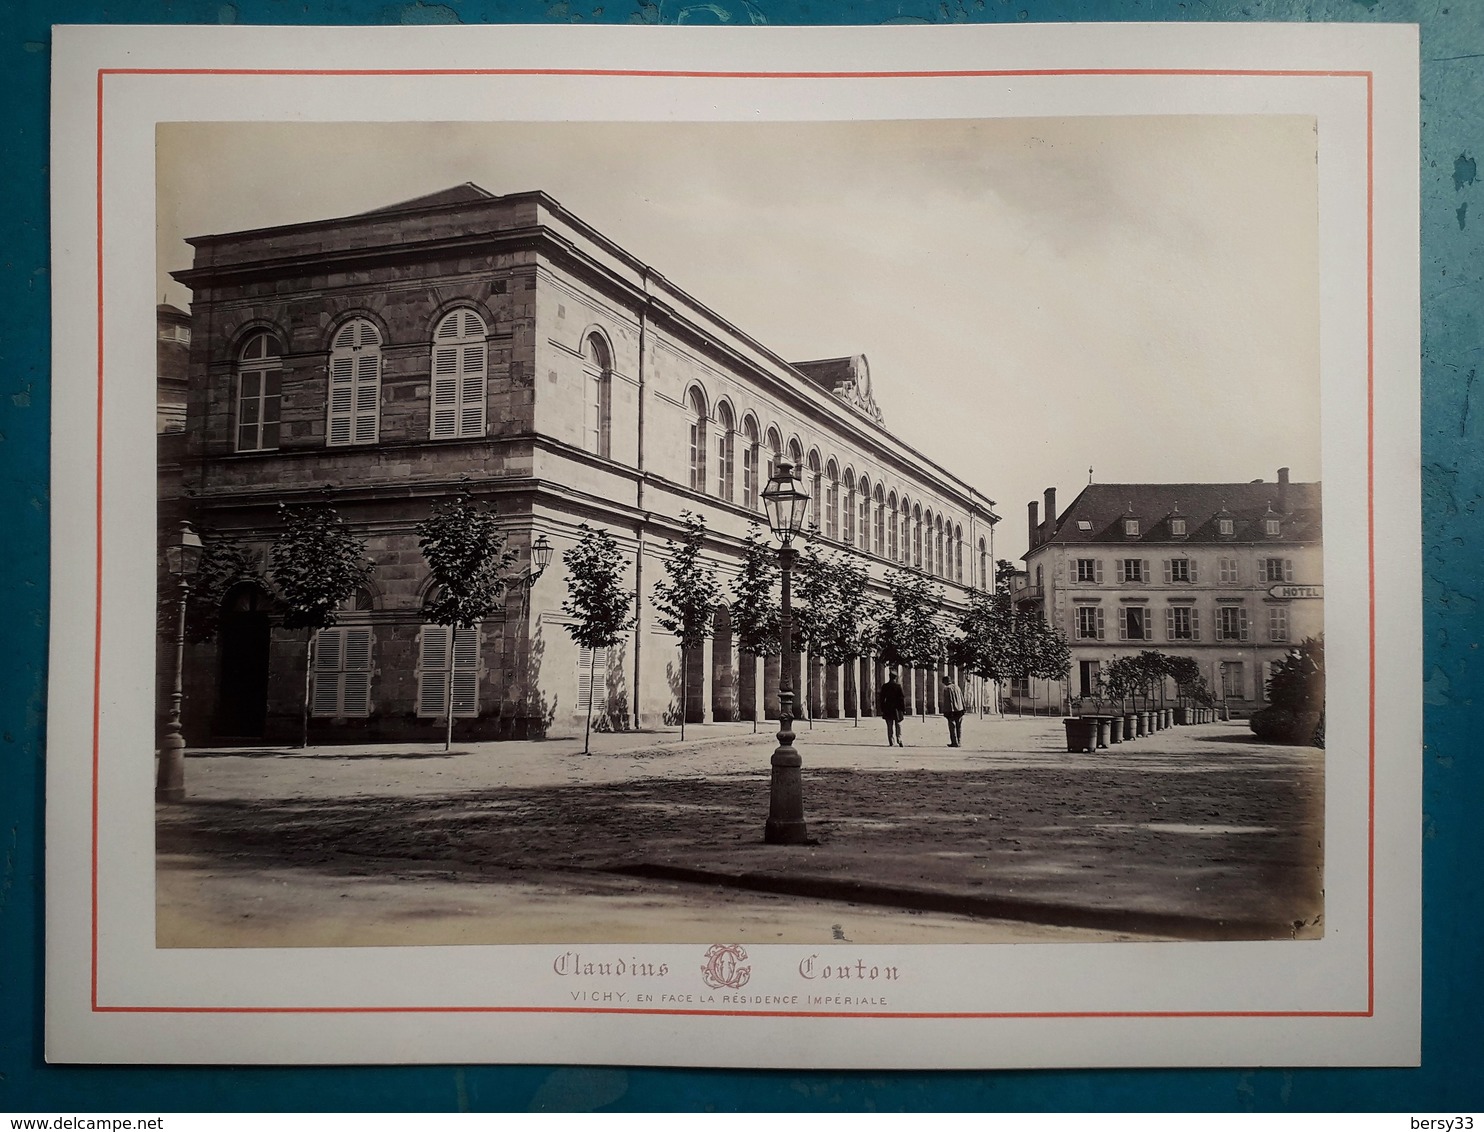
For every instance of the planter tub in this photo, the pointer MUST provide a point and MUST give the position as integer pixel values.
(1082, 733)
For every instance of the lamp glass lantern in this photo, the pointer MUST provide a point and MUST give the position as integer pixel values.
(786, 503)
(541, 553)
(183, 556)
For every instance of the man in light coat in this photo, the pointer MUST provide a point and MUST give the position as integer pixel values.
(952, 702)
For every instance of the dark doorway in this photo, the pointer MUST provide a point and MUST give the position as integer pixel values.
(1087, 678)
(242, 677)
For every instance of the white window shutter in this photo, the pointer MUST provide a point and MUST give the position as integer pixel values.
(1122, 623)
(1100, 622)
(1288, 569)
(466, 672)
(367, 409)
(1147, 575)
(1169, 570)
(432, 674)
(1169, 622)
(445, 408)
(471, 392)
(1242, 624)
(1121, 577)
(356, 699)
(1097, 570)
(325, 697)
(342, 399)
(1191, 568)
(1195, 624)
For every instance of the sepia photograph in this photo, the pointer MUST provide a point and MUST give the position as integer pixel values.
(833, 534)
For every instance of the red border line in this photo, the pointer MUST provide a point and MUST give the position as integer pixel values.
(1369, 77)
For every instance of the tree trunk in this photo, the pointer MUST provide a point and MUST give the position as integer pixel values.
(308, 670)
(684, 687)
(592, 668)
(448, 698)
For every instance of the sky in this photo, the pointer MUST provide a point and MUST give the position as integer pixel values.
(1034, 296)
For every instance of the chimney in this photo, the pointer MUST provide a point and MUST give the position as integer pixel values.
(1051, 507)
(1031, 513)
(1282, 491)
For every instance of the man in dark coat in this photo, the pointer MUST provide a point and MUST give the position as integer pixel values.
(891, 705)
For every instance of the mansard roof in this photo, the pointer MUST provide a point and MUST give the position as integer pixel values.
(1097, 514)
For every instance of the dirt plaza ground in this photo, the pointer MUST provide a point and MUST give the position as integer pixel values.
(1196, 832)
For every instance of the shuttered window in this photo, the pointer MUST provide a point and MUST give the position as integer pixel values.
(1182, 623)
(355, 384)
(1278, 624)
(1231, 623)
(1228, 575)
(1135, 623)
(258, 393)
(1133, 570)
(1179, 570)
(592, 677)
(460, 367)
(444, 649)
(342, 672)
(1090, 570)
(1277, 569)
(1089, 623)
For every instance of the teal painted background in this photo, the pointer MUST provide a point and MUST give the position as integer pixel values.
(1452, 1074)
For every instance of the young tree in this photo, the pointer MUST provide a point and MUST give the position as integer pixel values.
(601, 604)
(755, 611)
(1053, 655)
(908, 633)
(685, 600)
(315, 563)
(976, 646)
(843, 633)
(468, 559)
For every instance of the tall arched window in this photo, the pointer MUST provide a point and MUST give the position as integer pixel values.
(878, 529)
(938, 559)
(750, 486)
(927, 541)
(816, 492)
(698, 453)
(259, 365)
(459, 372)
(983, 566)
(355, 384)
(863, 514)
(831, 500)
(796, 457)
(775, 454)
(726, 443)
(597, 381)
(917, 536)
(893, 545)
(958, 553)
(848, 534)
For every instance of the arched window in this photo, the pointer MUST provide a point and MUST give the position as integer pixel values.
(863, 516)
(917, 536)
(927, 541)
(938, 560)
(831, 500)
(958, 553)
(459, 371)
(750, 485)
(726, 443)
(796, 457)
(983, 566)
(893, 545)
(355, 384)
(259, 365)
(878, 530)
(775, 454)
(848, 534)
(597, 381)
(816, 492)
(698, 454)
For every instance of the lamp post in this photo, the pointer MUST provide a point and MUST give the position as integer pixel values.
(182, 557)
(786, 503)
(540, 560)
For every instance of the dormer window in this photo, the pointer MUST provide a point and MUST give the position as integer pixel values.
(1227, 527)
(1131, 528)
(1177, 528)
(1084, 525)
(1273, 527)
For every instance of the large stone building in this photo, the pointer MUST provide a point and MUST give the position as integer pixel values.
(383, 361)
(1230, 574)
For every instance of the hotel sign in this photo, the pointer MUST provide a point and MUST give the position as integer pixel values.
(1296, 591)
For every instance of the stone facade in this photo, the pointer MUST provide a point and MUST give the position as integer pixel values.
(1228, 574)
(384, 361)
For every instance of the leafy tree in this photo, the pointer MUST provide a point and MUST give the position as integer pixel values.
(468, 559)
(1053, 655)
(845, 633)
(908, 632)
(756, 615)
(1186, 673)
(1152, 671)
(1295, 711)
(599, 601)
(686, 598)
(315, 563)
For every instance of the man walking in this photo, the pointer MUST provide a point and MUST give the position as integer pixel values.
(891, 705)
(952, 701)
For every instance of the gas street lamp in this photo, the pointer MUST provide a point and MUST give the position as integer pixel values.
(786, 503)
(182, 558)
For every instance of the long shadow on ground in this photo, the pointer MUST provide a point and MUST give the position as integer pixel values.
(1171, 835)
